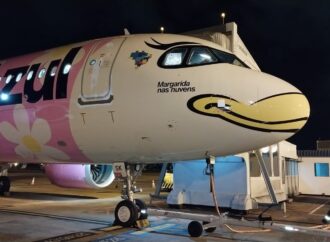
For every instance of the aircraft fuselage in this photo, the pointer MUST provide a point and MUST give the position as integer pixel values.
(140, 98)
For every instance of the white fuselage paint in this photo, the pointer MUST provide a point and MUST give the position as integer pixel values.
(148, 119)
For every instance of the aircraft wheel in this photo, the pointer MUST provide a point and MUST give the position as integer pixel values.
(195, 229)
(126, 213)
(142, 209)
(209, 230)
(4, 184)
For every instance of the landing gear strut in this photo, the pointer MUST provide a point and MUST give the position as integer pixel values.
(129, 211)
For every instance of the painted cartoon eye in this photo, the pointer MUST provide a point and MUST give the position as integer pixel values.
(92, 62)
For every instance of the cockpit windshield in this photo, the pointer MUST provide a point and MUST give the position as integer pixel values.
(201, 55)
(175, 57)
(180, 57)
(225, 57)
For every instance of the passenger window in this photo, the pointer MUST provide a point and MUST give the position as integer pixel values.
(8, 79)
(42, 73)
(66, 69)
(200, 55)
(175, 57)
(19, 77)
(53, 71)
(30, 74)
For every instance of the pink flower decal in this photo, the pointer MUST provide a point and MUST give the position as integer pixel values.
(31, 142)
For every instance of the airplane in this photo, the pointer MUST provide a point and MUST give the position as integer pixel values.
(100, 109)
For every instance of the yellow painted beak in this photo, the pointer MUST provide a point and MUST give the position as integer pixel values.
(285, 112)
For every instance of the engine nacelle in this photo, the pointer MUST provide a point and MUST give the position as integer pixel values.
(80, 175)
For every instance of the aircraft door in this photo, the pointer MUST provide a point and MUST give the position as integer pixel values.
(96, 78)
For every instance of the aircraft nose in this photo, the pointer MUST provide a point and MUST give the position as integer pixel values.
(283, 112)
(280, 107)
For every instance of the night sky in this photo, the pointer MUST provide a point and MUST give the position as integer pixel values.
(287, 38)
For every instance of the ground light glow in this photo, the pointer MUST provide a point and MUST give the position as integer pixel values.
(326, 219)
(290, 228)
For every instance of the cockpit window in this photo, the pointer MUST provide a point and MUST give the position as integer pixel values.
(228, 58)
(175, 57)
(237, 62)
(196, 55)
(201, 55)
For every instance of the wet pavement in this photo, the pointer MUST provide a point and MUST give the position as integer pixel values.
(43, 212)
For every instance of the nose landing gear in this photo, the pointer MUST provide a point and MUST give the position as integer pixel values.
(130, 212)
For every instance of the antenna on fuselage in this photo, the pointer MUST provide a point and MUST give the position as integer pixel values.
(223, 16)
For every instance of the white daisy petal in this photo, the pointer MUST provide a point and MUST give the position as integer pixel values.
(41, 158)
(41, 131)
(53, 154)
(21, 119)
(24, 153)
(9, 132)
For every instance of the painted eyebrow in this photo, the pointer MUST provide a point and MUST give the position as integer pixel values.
(161, 46)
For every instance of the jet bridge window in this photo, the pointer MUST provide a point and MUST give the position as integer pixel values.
(201, 55)
(175, 57)
(228, 58)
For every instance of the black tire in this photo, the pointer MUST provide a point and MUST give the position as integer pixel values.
(195, 229)
(126, 213)
(209, 230)
(141, 206)
(4, 184)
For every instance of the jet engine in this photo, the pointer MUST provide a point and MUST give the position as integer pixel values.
(80, 175)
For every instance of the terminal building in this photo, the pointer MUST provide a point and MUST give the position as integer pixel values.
(314, 176)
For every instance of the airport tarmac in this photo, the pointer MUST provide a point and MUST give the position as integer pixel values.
(38, 211)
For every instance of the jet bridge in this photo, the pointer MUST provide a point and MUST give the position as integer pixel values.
(243, 181)
(227, 37)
